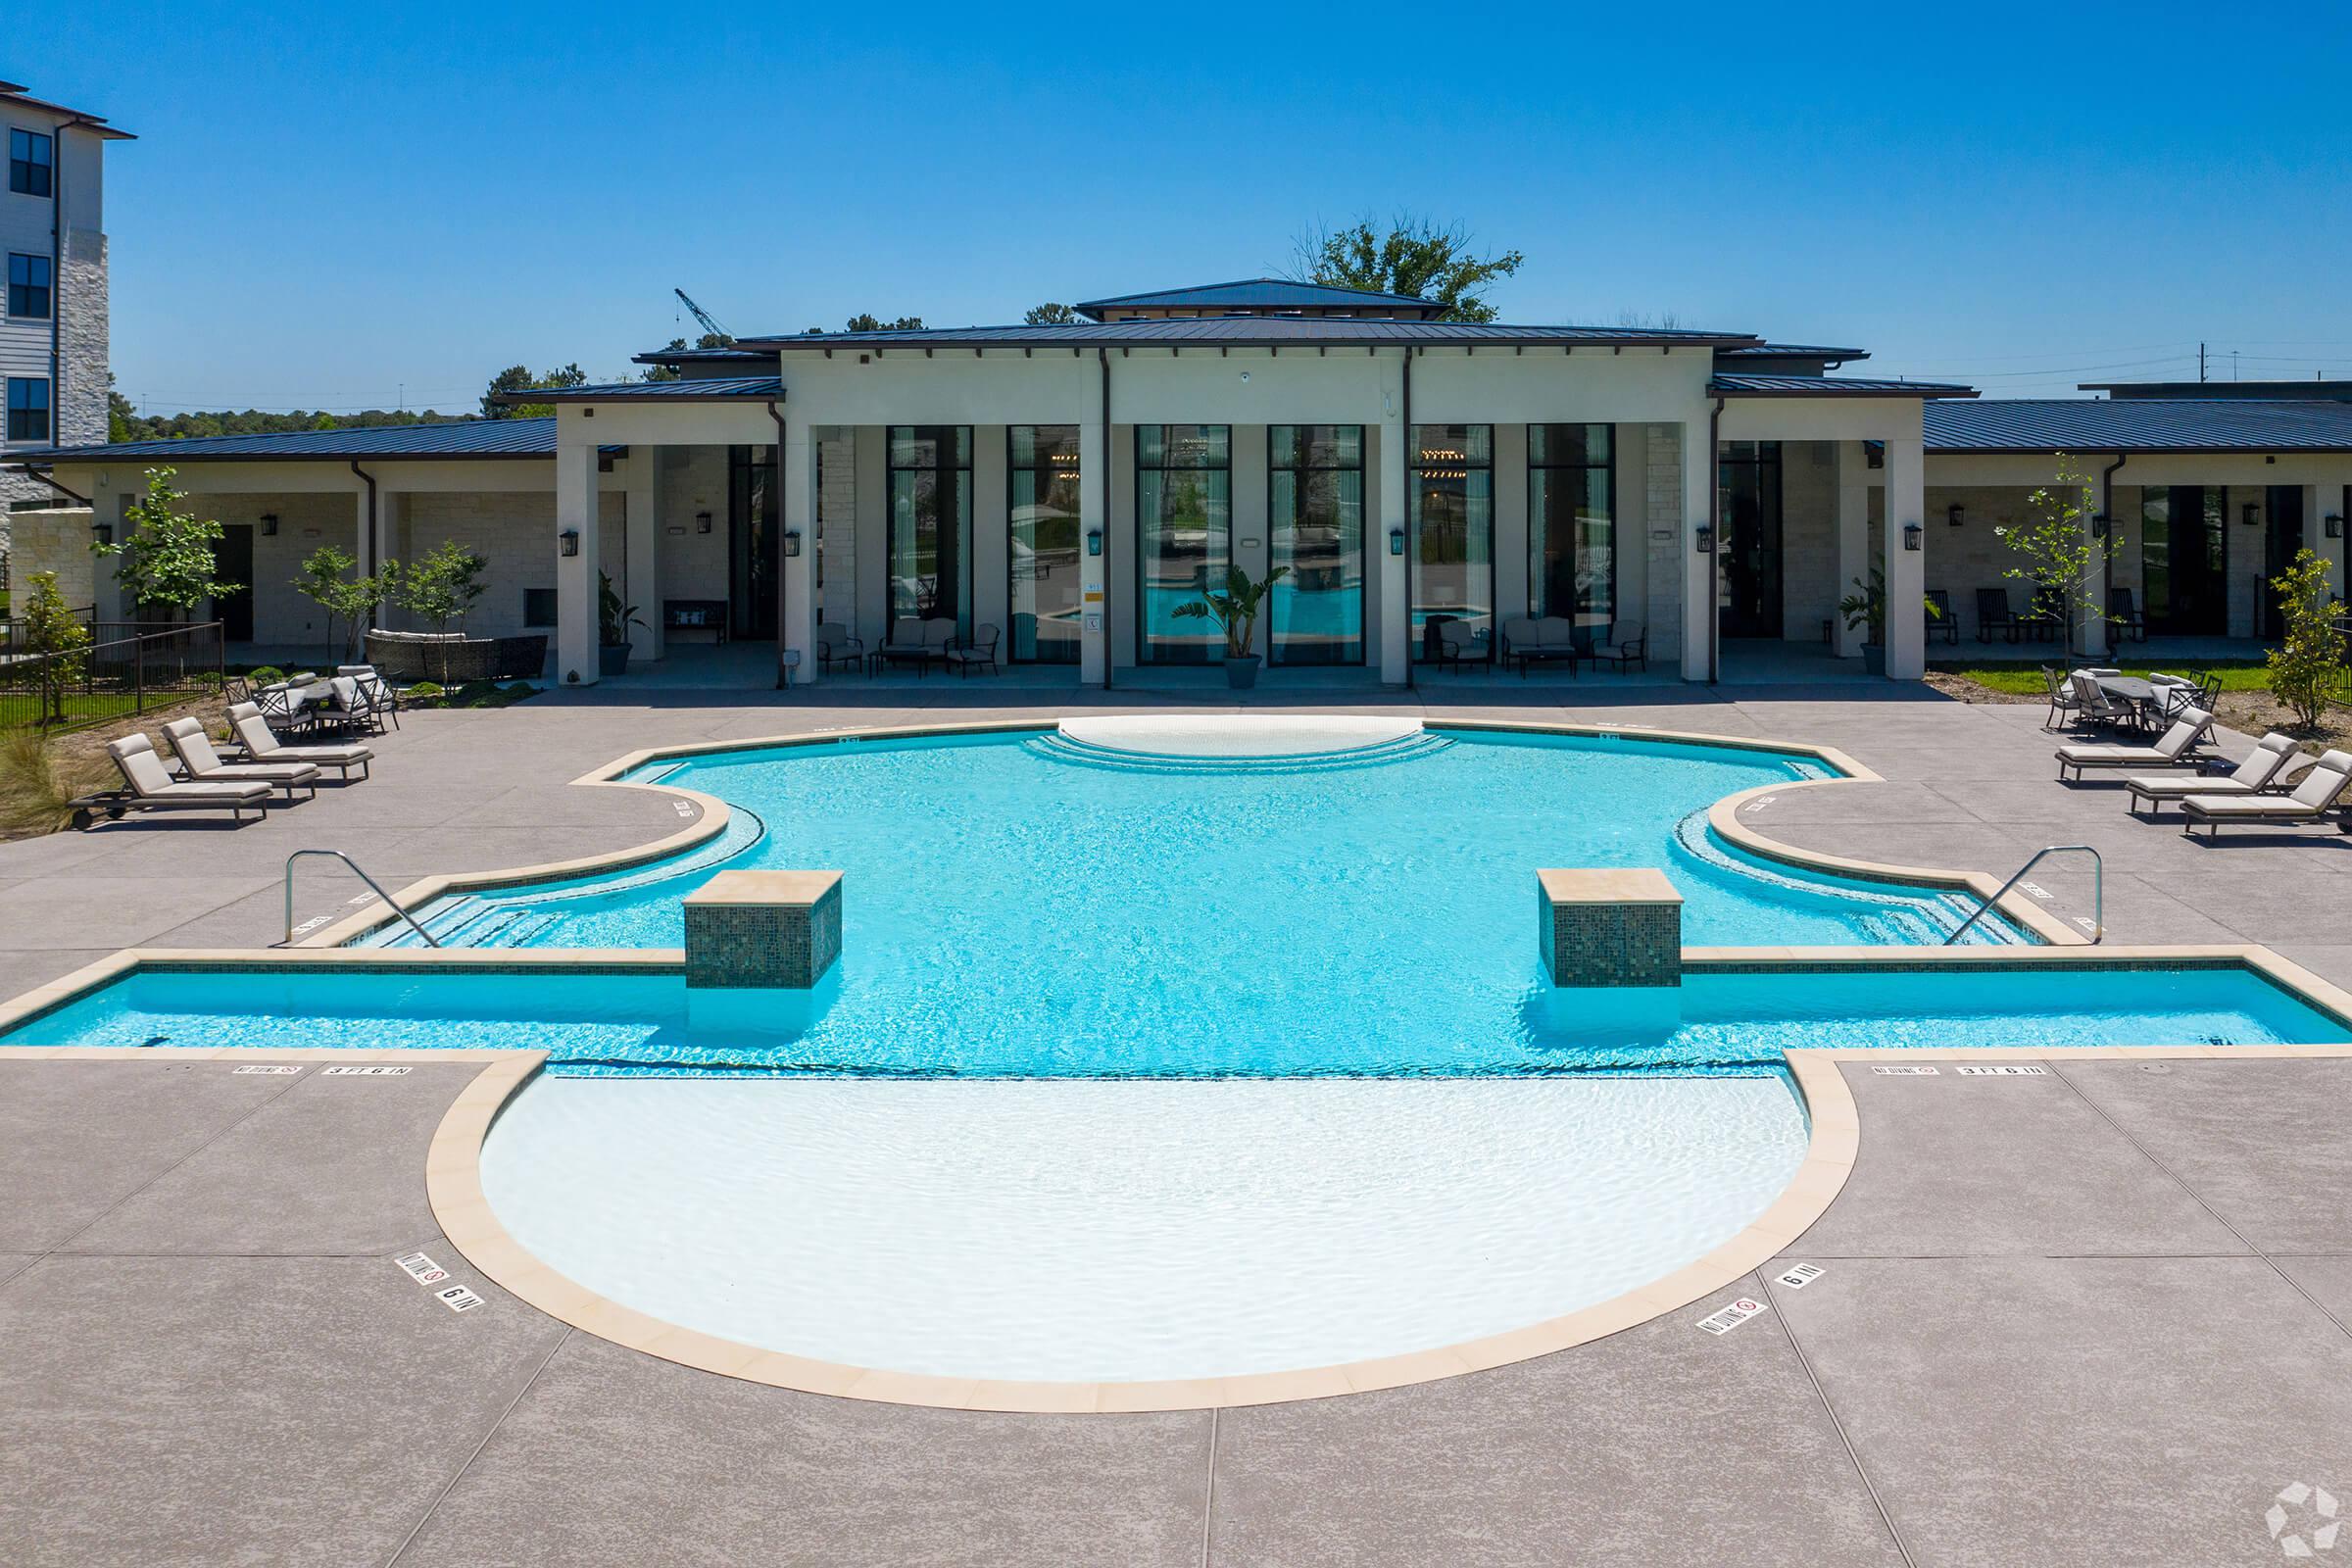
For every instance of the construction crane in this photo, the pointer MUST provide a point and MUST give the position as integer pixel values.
(708, 326)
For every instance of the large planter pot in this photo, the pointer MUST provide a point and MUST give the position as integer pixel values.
(1242, 673)
(1874, 659)
(612, 660)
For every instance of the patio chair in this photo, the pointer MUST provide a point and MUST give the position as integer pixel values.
(2095, 705)
(256, 742)
(149, 787)
(835, 646)
(2261, 771)
(1993, 614)
(2173, 750)
(2122, 614)
(382, 696)
(978, 653)
(1628, 647)
(194, 749)
(2063, 701)
(2320, 791)
(1942, 622)
(1457, 644)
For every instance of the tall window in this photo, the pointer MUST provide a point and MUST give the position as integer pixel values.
(753, 505)
(2183, 554)
(1183, 533)
(30, 164)
(28, 292)
(27, 409)
(1453, 534)
(1572, 522)
(931, 524)
(1747, 477)
(1042, 461)
(1315, 506)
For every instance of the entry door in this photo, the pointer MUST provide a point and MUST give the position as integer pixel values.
(753, 502)
(234, 611)
(2283, 537)
(2183, 554)
(1748, 539)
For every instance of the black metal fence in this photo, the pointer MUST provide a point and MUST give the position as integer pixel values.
(152, 666)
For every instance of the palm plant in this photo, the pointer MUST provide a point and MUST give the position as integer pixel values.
(1236, 609)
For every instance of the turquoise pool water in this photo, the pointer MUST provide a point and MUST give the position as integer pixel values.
(647, 1025)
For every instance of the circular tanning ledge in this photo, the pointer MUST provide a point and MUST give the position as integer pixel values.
(1245, 735)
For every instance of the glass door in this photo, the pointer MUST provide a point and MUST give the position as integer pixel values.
(1315, 510)
(752, 505)
(1454, 541)
(2282, 540)
(931, 525)
(1042, 461)
(2184, 553)
(1748, 538)
(1184, 536)
(1572, 524)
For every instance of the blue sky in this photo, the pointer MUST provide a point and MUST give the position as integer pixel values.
(327, 208)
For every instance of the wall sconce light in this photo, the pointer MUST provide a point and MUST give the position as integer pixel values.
(792, 543)
(2250, 514)
(102, 532)
(1956, 515)
(2333, 524)
(1707, 540)
(1913, 535)
(568, 542)
(1395, 541)
(702, 522)
(2099, 526)
(1874, 453)
(1093, 541)
(269, 525)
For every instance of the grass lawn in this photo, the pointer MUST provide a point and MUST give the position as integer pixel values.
(2024, 679)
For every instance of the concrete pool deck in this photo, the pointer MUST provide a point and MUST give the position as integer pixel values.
(2095, 1314)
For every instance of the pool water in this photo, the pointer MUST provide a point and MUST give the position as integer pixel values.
(648, 1024)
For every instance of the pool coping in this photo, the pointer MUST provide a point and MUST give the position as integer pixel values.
(462, 1207)
(1722, 816)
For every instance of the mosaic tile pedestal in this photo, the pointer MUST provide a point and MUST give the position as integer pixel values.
(767, 929)
(1610, 927)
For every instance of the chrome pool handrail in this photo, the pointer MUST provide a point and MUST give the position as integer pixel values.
(2098, 889)
(376, 886)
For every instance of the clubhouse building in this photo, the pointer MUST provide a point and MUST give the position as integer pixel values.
(1060, 490)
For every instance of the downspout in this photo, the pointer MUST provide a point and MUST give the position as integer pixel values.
(1712, 607)
(367, 532)
(1110, 649)
(2107, 544)
(1408, 567)
(784, 572)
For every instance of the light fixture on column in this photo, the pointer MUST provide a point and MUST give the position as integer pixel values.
(1395, 541)
(1093, 541)
(792, 543)
(1913, 535)
(568, 542)
(269, 525)
(1956, 515)
(702, 522)
(1707, 540)
(2250, 514)
(2333, 524)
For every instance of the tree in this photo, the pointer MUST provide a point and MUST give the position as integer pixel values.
(1051, 315)
(327, 582)
(2060, 555)
(669, 372)
(2307, 666)
(1417, 257)
(518, 378)
(54, 637)
(169, 562)
(442, 585)
(867, 322)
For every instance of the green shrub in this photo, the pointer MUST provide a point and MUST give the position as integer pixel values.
(2307, 666)
(267, 675)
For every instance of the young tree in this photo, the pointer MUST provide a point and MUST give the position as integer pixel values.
(2307, 666)
(443, 584)
(2059, 554)
(169, 561)
(54, 636)
(328, 580)
(1416, 256)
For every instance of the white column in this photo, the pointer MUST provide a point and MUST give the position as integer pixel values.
(2091, 614)
(1698, 570)
(1094, 522)
(2319, 502)
(644, 586)
(797, 628)
(1853, 539)
(1396, 604)
(576, 570)
(1906, 569)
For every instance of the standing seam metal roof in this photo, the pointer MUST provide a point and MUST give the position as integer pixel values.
(1259, 331)
(465, 439)
(2149, 424)
(1258, 293)
(1834, 386)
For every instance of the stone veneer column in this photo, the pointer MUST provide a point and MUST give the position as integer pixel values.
(766, 929)
(1610, 927)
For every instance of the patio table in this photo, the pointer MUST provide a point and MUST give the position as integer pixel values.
(2145, 697)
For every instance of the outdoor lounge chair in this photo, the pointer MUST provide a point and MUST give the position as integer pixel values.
(258, 743)
(2261, 772)
(1993, 614)
(2122, 614)
(1942, 622)
(978, 653)
(836, 646)
(2064, 703)
(2171, 750)
(2320, 791)
(1628, 647)
(2094, 705)
(149, 787)
(1455, 641)
(194, 749)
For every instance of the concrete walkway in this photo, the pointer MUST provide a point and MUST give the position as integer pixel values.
(2095, 1315)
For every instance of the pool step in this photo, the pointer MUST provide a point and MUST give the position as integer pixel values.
(1060, 748)
(1924, 919)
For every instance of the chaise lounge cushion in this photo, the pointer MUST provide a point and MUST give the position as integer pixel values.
(2255, 775)
(2173, 748)
(2315, 795)
(143, 771)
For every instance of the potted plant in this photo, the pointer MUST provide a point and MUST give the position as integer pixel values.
(1236, 610)
(1866, 607)
(613, 620)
